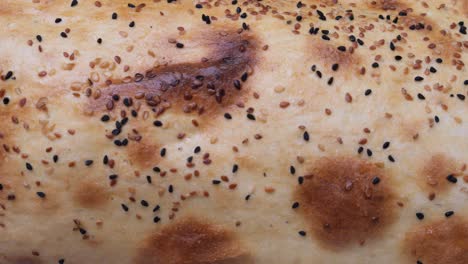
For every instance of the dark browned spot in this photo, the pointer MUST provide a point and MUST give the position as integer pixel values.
(433, 175)
(192, 241)
(329, 54)
(441, 242)
(143, 155)
(90, 194)
(341, 202)
(24, 260)
(202, 88)
(386, 5)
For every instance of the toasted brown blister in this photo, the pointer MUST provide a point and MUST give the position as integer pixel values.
(346, 201)
(443, 241)
(192, 241)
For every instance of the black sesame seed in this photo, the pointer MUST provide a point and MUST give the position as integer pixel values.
(88, 162)
(105, 118)
(420, 216)
(235, 168)
(436, 119)
(39, 38)
(124, 207)
(330, 81)
(29, 166)
(105, 160)
(306, 136)
(58, 20)
(134, 113)
(41, 194)
(298, 18)
(376, 180)
(342, 48)
(335, 67)
(398, 57)
(300, 179)
(227, 116)
(244, 76)
(6, 100)
(179, 45)
(64, 35)
(144, 203)
(156, 219)
(392, 46)
(295, 205)
(61, 261)
(74, 3)
(247, 197)
(449, 213)
(197, 149)
(113, 176)
(461, 97)
(418, 78)
(386, 145)
(452, 178)
(132, 24)
(367, 92)
(131, 5)
(352, 38)
(114, 16)
(321, 15)
(302, 233)
(199, 6)
(237, 84)
(244, 15)
(55, 158)
(421, 97)
(375, 65)
(163, 152)
(149, 179)
(82, 231)
(360, 150)
(432, 69)
(251, 117)
(360, 42)
(157, 123)
(156, 208)
(325, 37)
(390, 158)
(99, 40)
(369, 152)
(319, 74)
(216, 182)
(1, 186)
(292, 170)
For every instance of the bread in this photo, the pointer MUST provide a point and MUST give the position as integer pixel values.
(202, 132)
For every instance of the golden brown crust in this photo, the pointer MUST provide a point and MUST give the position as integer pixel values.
(239, 131)
(346, 201)
(192, 241)
(442, 241)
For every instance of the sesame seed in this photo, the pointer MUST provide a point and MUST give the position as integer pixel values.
(124, 207)
(41, 194)
(420, 216)
(292, 170)
(421, 97)
(105, 118)
(227, 116)
(179, 45)
(156, 208)
(157, 123)
(306, 136)
(132, 24)
(376, 180)
(144, 203)
(197, 149)
(302, 233)
(418, 78)
(367, 92)
(335, 67)
(88, 163)
(74, 3)
(386, 145)
(449, 213)
(390, 158)
(451, 178)
(29, 166)
(295, 205)
(156, 219)
(114, 16)
(58, 20)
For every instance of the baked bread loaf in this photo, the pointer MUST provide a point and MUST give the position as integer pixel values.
(233, 131)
